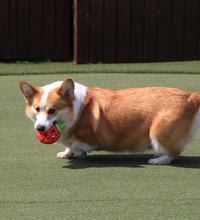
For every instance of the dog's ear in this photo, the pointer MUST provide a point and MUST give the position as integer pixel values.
(66, 90)
(27, 90)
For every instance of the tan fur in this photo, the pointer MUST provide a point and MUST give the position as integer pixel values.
(129, 119)
(32, 95)
(56, 101)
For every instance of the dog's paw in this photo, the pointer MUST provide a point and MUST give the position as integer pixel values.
(81, 154)
(153, 161)
(162, 160)
(62, 155)
(65, 155)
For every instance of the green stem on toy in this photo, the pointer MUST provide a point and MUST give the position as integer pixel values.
(59, 126)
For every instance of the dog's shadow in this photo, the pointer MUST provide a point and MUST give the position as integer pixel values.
(126, 160)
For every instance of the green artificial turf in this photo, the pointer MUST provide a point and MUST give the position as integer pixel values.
(34, 184)
(27, 68)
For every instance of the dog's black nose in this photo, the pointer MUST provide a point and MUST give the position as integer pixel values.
(40, 128)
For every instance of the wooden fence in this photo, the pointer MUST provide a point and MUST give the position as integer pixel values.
(124, 31)
(108, 31)
(35, 29)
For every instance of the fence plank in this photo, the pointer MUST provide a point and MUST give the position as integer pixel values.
(198, 55)
(36, 29)
(96, 31)
(110, 31)
(81, 31)
(177, 30)
(63, 18)
(150, 35)
(191, 24)
(48, 28)
(23, 29)
(137, 30)
(13, 29)
(4, 29)
(164, 27)
(123, 32)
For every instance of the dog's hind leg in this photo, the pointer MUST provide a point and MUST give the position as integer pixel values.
(169, 133)
(161, 155)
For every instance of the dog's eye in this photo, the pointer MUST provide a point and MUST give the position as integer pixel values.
(37, 109)
(51, 111)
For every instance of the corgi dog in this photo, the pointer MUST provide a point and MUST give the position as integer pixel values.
(124, 120)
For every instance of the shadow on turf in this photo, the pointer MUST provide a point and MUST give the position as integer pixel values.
(120, 160)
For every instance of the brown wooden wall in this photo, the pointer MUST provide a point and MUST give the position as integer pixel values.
(124, 31)
(108, 31)
(35, 29)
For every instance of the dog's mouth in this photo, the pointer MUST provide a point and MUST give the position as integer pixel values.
(51, 127)
(43, 128)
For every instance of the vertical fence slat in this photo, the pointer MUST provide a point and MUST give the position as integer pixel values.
(81, 31)
(13, 29)
(36, 29)
(164, 27)
(177, 30)
(191, 22)
(23, 29)
(4, 29)
(150, 35)
(110, 31)
(137, 30)
(198, 40)
(123, 32)
(63, 15)
(48, 28)
(96, 31)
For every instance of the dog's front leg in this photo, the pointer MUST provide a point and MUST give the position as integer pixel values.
(80, 149)
(66, 154)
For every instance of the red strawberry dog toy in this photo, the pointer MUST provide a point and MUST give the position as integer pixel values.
(52, 135)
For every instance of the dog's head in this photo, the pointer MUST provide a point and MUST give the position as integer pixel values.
(45, 105)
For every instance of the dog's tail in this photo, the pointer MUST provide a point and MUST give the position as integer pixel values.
(194, 103)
